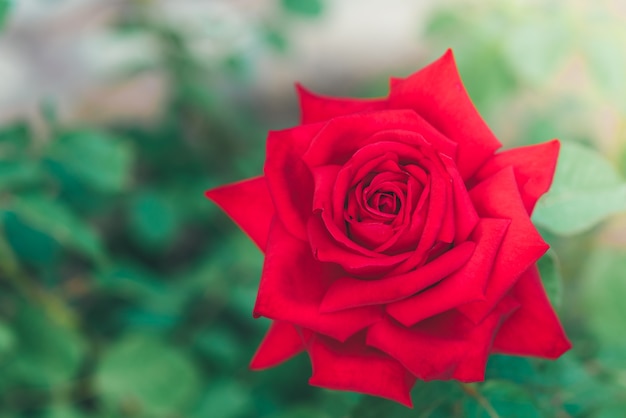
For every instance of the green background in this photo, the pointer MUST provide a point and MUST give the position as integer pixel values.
(125, 293)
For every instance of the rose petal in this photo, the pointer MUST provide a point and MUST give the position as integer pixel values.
(332, 246)
(465, 216)
(349, 293)
(498, 197)
(533, 165)
(249, 205)
(434, 217)
(288, 178)
(282, 341)
(293, 284)
(465, 285)
(447, 346)
(318, 108)
(342, 137)
(436, 93)
(534, 330)
(355, 367)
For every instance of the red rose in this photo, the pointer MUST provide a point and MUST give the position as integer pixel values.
(398, 244)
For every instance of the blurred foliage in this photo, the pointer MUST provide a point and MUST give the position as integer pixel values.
(124, 293)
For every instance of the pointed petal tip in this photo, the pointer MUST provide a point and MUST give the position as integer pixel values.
(257, 365)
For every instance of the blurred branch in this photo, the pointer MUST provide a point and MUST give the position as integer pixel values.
(473, 391)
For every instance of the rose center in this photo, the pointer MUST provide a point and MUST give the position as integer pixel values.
(385, 202)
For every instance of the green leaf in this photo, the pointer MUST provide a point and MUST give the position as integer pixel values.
(46, 355)
(427, 397)
(5, 6)
(225, 399)
(276, 38)
(503, 398)
(516, 369)
(100, 160)
(551, 277)
(535, 47)
(63, 411)
(586, 190)
(602, 291)
(221, 346)
(30, 245)
(14, 174)
(309, 8)
(51, 217)
(606, 59)
(7, 340)
(153, 220)
(145, 374)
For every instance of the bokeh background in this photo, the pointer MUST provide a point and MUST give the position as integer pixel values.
(125, 293)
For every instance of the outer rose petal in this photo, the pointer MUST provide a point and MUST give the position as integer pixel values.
(465, 285)
(342, 137)
(534, 330)
(443, 347)
(293, 284)
(318, 108)
(533, 166)
(348, 292)
(498, 197)
(356, 367)
(249, 205)
(288, 179)
(282, 341)
(436, 92)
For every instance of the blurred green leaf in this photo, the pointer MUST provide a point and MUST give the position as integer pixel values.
(14, 141)
(30, 244)
(615, 410)
(506, 399)
(603, 287)
(276, 38)
(310, 8)
(535, 47)
(5, 6)
(100, 160)
(578, 389)
(51, 217)
(7, 340)
(586, 189)
(515, 369)
(221, 346)
(14, 174)
(153, 220)
(47, 355)
(427, 397)
(227, 399)
(551, 277)
(145, 374)
(606, 58)
(63, 411)
(485, 72)
(444, 22)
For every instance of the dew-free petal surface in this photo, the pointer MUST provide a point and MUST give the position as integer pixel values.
(281, 342)
(437, 93)
(318, 108)
(498, 197)
(533, 166)
(355, 367)
(293, 284)
(534, 330)
(249, 204)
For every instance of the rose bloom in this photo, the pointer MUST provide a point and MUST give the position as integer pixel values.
(398, 244)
